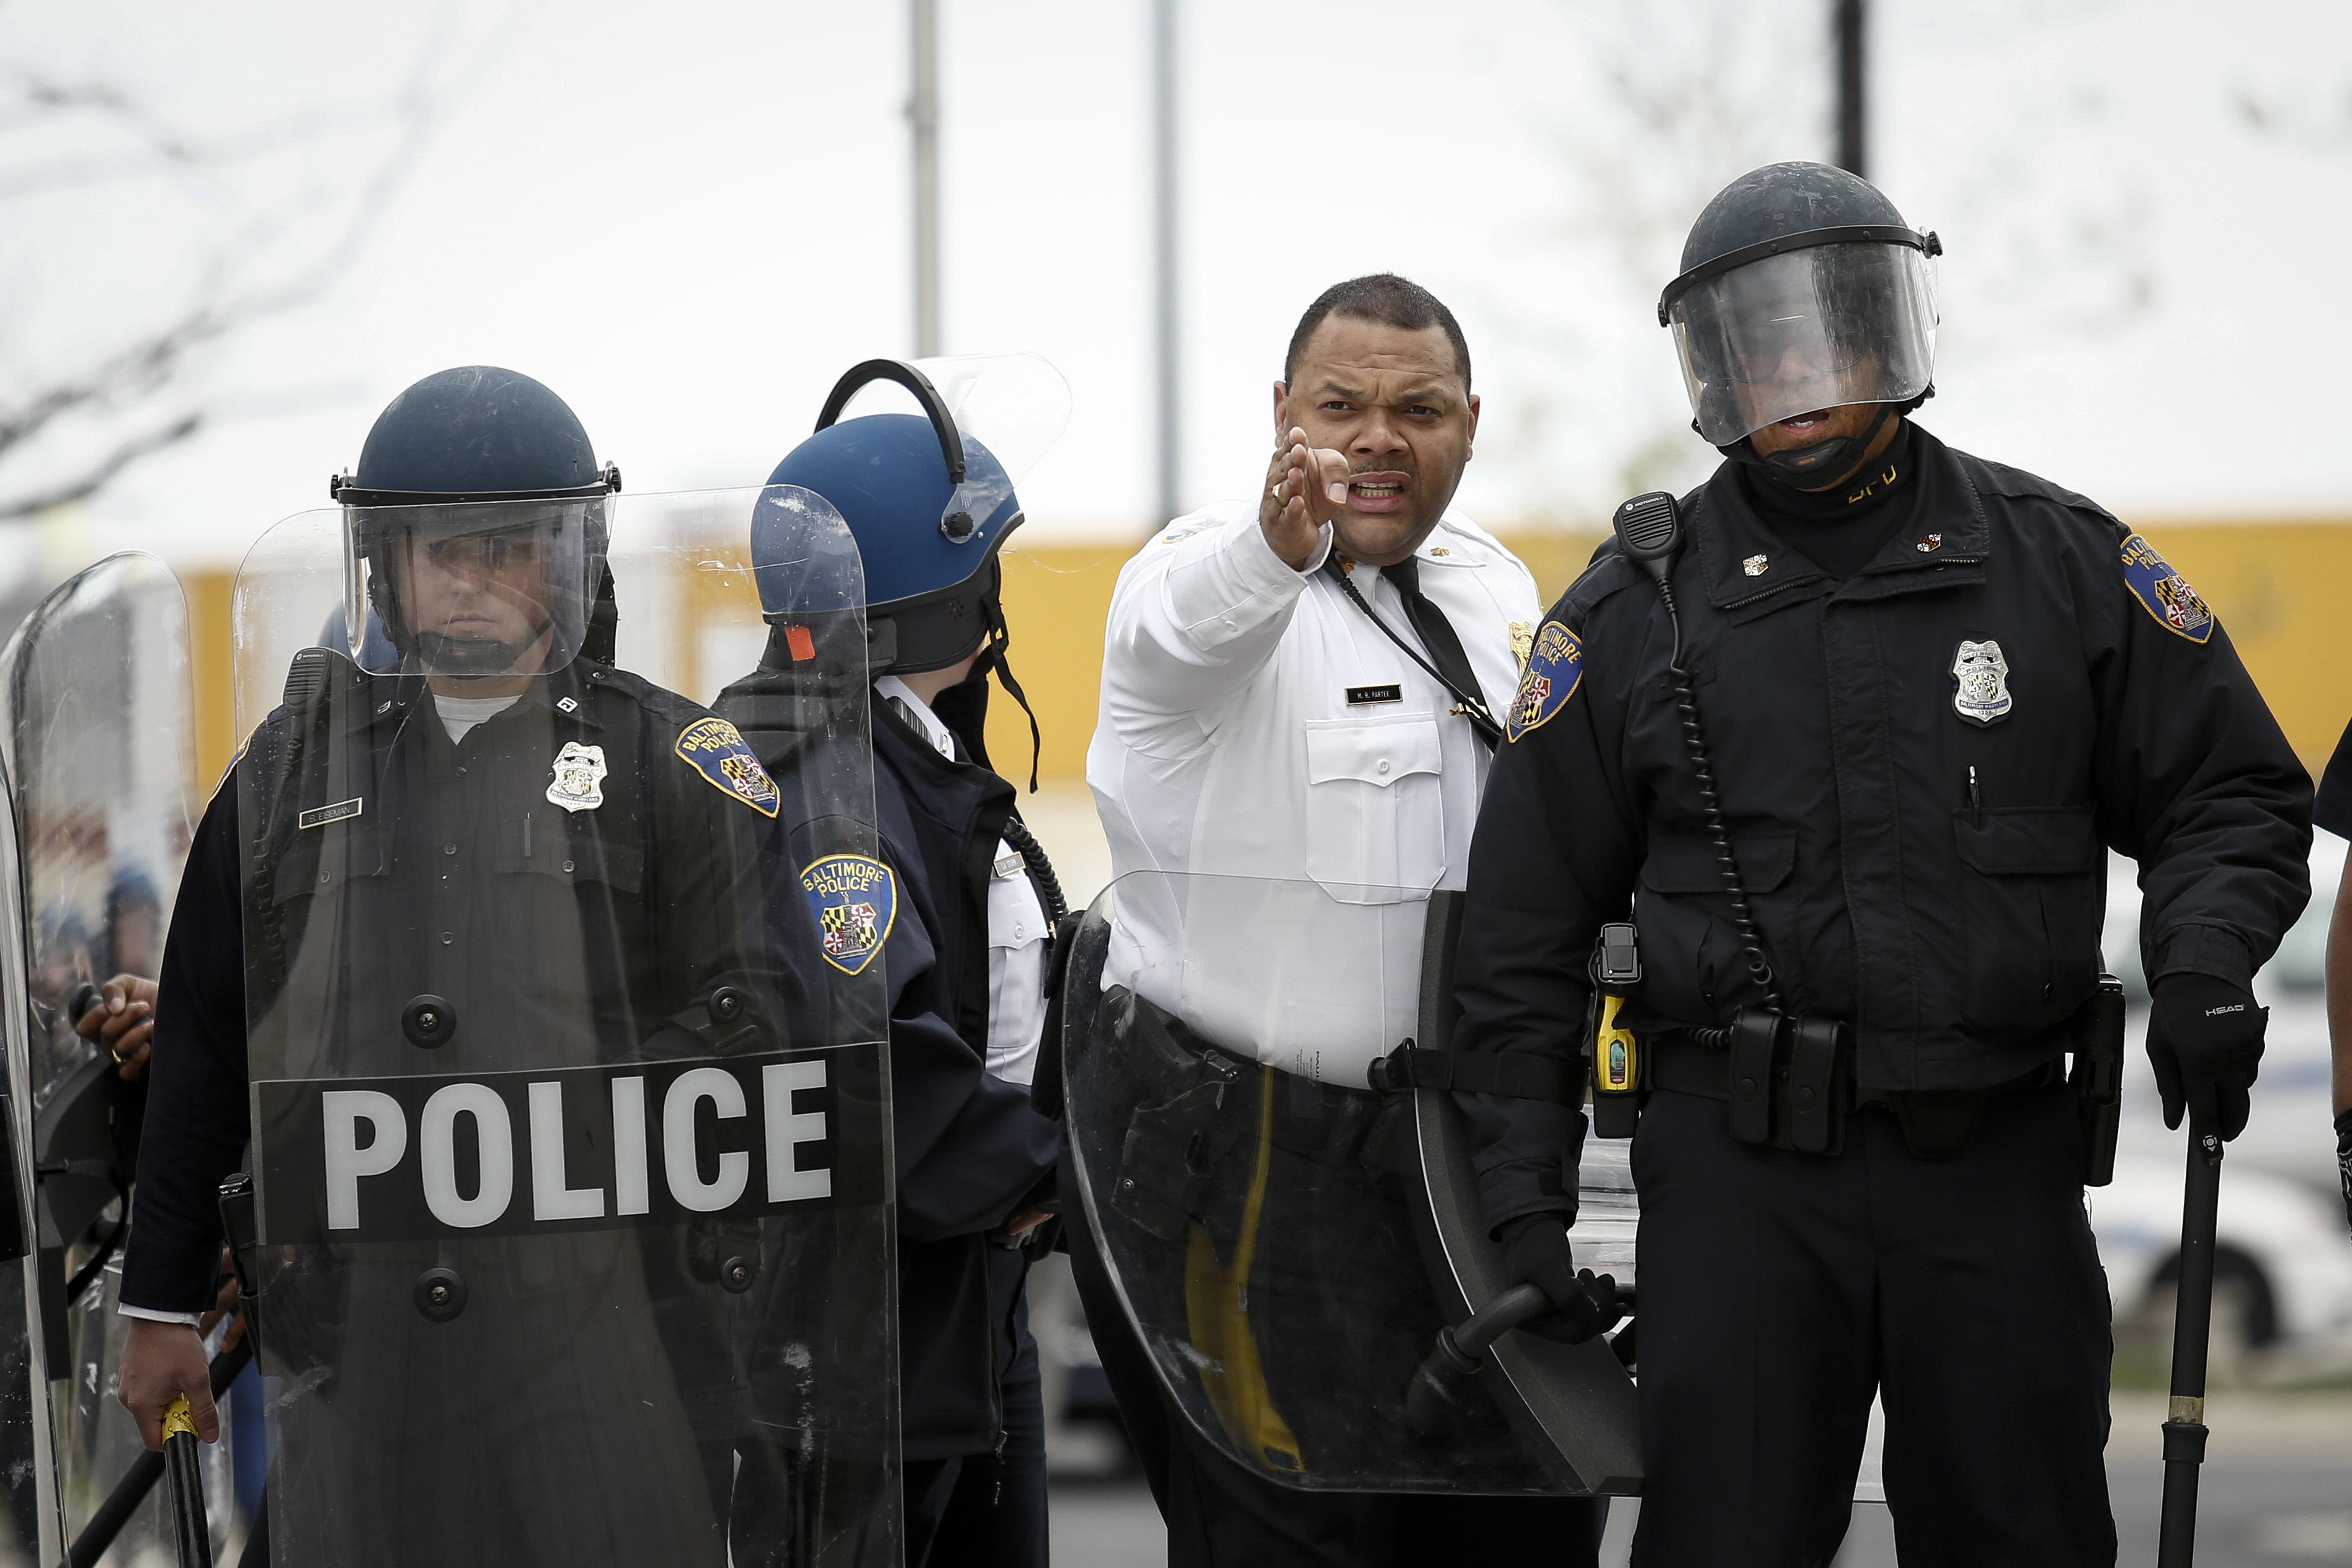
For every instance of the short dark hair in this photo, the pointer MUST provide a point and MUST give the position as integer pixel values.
(1385, 298)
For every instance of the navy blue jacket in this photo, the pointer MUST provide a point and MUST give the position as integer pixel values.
(674, 893)
(971, 1153)
(1936, 881)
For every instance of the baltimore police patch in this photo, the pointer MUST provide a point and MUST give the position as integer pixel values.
(2163, 593)
(855, 901)
(716, 749)
(1554, 667)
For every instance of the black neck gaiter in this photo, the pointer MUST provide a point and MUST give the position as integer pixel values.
(1842, 528)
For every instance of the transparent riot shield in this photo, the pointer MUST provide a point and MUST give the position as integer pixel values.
(1288, 1243)
(572, 1218)
(97, 714)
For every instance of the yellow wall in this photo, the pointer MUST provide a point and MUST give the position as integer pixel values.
(2283, 589)
(2280, 587)
(208, 636)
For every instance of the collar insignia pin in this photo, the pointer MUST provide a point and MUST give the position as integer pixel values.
(1756, 566)
(1928, 543)
(579, 781)
(569, 704)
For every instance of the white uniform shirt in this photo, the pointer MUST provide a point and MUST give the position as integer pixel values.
(1016, 929)
(1256, 724)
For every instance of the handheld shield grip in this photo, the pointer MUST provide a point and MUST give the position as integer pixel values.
(1576, 1402)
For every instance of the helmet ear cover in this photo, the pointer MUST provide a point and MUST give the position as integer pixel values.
(935, 630)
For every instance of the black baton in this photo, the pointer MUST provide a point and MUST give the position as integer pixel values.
(2192, 1326)
(140, 1479)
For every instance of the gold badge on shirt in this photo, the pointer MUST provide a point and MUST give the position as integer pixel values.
(1523, 641)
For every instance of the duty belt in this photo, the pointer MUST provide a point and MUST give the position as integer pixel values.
(1812, 1091)
(1789, 1081)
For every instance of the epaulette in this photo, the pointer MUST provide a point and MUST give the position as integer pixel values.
(1185, 528)
(2015, 484)
(1608, 572)
(2152, 580)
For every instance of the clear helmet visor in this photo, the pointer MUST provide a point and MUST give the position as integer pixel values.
(470, 589)
(1817, 328)
(1016, 406)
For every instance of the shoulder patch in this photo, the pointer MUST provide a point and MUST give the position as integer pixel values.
(2163, 593)
(715, 750)
(1554, 667)
(856, 902)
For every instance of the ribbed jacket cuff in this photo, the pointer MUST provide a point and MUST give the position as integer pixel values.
(2204, 950)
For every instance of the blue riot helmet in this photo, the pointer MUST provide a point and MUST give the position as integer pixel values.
(930, 505)
(475, 526)
(1802, 288)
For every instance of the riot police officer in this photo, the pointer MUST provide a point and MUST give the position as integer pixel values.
(1846, 734)
(495, 864)
(966, 950)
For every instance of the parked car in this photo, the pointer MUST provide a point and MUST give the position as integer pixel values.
(2281, 1263)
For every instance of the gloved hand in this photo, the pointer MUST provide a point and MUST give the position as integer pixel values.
(1536, 1249)
(2343, 1161)
(2204, 1039)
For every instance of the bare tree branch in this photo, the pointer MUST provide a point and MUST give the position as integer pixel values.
(101, 473)
(2293, 118)
(235, 285)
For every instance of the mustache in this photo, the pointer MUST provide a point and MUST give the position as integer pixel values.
(1409, 469)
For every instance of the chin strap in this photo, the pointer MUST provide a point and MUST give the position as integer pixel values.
(1838, 457)
(474, 658)
(1000, 639)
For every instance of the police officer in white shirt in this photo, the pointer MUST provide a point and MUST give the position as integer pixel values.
(1305, 688)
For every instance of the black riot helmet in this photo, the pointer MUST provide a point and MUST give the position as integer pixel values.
(484, 476)
(1802, 288)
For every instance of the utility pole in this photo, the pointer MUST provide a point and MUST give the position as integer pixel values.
(923, 121)
(1166, 231)
(1847, 17)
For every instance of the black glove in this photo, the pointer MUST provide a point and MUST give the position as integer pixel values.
(1536, 1250)
(2343, 1161)
(2204, 1039)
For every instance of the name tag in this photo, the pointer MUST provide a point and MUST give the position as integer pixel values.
(1359, 695)
(507, 1153)
(320, 816)
(1010, 865)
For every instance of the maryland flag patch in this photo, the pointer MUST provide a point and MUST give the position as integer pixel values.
(1554, 667)
(855, 901)
(717, 751)
(2163, 593)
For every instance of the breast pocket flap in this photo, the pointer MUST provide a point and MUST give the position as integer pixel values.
(1379, 752)
(2027, 841)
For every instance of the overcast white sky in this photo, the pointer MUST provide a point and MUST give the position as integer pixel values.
(690, 219)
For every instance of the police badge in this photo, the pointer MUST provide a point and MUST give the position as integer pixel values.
(579, 781)
(1981, 682)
